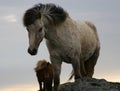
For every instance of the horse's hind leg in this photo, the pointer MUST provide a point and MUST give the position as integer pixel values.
(76, 67)
(90, 64)
(82, 70)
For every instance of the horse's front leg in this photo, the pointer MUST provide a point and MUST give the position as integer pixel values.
(56, 65)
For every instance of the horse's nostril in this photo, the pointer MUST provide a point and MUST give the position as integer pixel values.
(32, 52)
(29, 50)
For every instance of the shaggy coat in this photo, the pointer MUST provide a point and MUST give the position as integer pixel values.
(44, 75)
(67, 40)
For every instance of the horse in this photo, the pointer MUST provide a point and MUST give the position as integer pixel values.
(44, 75)
(67, 40)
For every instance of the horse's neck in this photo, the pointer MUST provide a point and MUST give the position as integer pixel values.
(58, 33)
(50, 33)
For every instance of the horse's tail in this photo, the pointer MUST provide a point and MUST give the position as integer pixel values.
(82, 70)
(91, 25)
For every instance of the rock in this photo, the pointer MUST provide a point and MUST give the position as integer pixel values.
(90, 84)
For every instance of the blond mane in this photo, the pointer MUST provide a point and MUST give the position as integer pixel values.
(50, 13)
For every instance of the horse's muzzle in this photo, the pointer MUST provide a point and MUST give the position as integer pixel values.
(32, 52)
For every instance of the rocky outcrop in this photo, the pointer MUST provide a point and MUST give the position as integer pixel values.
(90, 84)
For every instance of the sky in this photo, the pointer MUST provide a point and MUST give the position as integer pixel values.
(17, 66)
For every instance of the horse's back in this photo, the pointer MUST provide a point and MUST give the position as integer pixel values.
(88, 38)
(92, 26)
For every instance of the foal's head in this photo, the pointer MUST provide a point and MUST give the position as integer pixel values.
(34, 26)
(41, 64)
(37, 18)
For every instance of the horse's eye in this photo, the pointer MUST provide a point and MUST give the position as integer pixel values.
(40, 29)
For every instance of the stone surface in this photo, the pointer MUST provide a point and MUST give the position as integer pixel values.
(90, 84)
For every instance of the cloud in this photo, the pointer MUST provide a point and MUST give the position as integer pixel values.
(10, 18)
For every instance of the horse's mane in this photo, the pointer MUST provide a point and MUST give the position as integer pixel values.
(51, 13)
(41, 64)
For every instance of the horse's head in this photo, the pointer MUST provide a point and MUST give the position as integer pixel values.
(36, 35)
(39, 16)
(34, 26)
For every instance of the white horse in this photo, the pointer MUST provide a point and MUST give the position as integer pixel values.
(67, 40)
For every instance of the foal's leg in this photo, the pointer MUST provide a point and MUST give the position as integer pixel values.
(40, 86)
(44, 86)
(90, 64)
(56, 65)
(48, 84)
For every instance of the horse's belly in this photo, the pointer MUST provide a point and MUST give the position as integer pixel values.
(69, 53)
(88, 48)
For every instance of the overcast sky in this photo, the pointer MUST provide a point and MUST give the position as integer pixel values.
(16, 65)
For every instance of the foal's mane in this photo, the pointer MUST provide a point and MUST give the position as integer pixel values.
(50, 14)
(41, 64)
